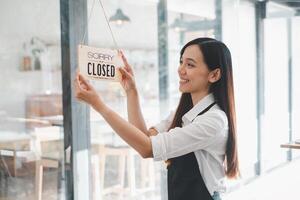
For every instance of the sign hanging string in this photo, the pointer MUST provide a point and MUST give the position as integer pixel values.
(106, 19)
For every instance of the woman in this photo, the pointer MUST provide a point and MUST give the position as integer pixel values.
(198, 140)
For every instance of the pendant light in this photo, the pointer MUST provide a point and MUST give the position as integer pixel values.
(119, 18)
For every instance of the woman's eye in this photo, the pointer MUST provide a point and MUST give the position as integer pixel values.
(190, 65)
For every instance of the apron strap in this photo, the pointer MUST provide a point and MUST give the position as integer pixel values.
(205, 110)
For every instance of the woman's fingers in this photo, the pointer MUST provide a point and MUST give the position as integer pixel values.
(84, 82)
(77, 84)
(127, 66)
(125, 73)
(122, 71)
(78, 89)
(124, 59)
(77, 79)
(81, 85)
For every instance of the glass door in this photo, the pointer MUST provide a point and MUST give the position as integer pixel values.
(31, 127)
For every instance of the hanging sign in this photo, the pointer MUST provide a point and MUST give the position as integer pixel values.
(99, 63)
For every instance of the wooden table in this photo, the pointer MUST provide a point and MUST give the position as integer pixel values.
(15, 143)
(291, 145)
(10, 141)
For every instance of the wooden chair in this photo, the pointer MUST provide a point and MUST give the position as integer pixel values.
(49, 152)
(14, 146)
(125, 155)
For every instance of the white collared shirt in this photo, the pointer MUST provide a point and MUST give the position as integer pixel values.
(205, 135)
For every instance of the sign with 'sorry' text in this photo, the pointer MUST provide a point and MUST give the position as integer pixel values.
(99, 63)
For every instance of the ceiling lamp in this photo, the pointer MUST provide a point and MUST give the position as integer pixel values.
(119, 18)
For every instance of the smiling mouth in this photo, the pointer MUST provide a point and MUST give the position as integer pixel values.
(183, 81)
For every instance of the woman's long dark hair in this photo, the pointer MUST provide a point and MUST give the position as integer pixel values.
(216, 55)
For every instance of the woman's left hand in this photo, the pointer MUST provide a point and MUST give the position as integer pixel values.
(84, 91)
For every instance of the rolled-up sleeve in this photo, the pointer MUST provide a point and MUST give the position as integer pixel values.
(199, 134)
(164, 124)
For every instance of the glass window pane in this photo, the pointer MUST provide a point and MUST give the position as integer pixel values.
(275, 130)
(185, 24)
(31, 133)
(239, 35)
(119, 171)
(296, 80)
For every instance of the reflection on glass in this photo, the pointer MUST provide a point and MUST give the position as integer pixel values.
(242, 43)
(295, 81)
(276, 84)
(31, 135)
(119, 172)
(186, 24)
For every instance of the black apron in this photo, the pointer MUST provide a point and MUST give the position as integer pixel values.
(184, 178)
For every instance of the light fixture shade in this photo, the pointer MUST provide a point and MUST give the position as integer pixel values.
(119, 17)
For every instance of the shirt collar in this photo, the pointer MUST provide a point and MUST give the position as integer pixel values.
(199, 107)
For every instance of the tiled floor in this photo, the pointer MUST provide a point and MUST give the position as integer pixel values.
(282, 183)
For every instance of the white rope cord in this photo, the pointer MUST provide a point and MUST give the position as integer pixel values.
(88, 22)
(106, 19)
(111, 33)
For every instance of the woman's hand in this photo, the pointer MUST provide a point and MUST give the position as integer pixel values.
(84, 91)
(127, 82)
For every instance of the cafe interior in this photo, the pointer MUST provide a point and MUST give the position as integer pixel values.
(53, 147)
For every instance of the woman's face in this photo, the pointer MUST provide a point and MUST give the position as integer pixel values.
(193, 72)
